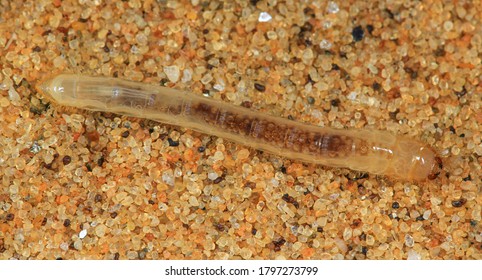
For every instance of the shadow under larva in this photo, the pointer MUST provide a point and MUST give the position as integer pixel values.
(377, 152)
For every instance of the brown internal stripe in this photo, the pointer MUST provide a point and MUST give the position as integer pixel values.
(280, 135)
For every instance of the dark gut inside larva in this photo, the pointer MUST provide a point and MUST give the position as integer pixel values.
(281, 135)
(252, 127)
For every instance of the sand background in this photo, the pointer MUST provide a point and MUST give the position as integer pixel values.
(82, 185)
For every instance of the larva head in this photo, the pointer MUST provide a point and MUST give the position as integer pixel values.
(414, 161)
(425, 165)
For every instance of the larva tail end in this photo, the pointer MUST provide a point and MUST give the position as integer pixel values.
(43, 85)
(46, 79)
(45, 88)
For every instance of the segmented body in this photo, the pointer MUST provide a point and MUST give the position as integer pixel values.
(377, 152)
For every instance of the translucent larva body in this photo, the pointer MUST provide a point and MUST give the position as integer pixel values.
(376, 152)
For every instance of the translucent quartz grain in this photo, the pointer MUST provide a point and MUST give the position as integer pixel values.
(172, 73)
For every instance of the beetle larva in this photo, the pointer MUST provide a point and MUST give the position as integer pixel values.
(376, 152)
